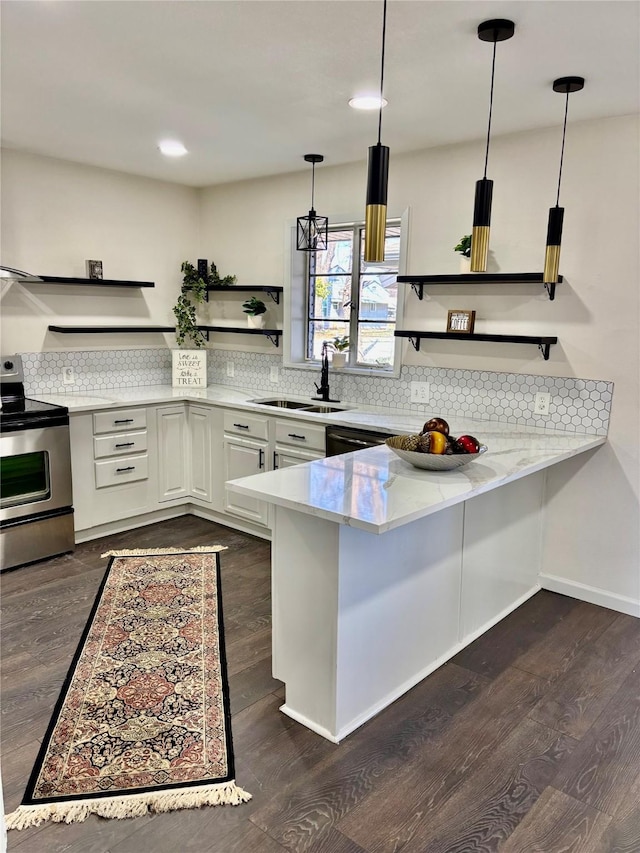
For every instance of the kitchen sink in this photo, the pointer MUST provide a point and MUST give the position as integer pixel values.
(324, 410)
(282, 404)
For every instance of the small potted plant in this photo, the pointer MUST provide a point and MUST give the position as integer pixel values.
(464, 247)
(255, 310)
(339, 345)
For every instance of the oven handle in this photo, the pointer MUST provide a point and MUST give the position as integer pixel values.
(36, 422)
(358, 443)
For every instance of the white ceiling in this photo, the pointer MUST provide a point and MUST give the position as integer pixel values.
(250, 86)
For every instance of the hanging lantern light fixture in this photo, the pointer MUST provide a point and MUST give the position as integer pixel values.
(377, 178)
(493, 31)
(313, 230)
(566, 85)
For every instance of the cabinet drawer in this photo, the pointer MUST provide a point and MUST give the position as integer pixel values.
(119, 445)
(243, 424)
(127, 469)
(119, 420)
(299, 434)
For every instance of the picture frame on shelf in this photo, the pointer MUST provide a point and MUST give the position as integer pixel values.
(94, 269)
(461, 321)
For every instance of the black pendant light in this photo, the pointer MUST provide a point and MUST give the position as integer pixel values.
(566, 85)
(377, 179)
(313, 230)
(493, 31)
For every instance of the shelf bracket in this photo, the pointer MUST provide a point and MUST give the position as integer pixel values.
(544, 349)
(205, 332)
(416, 340)
(418, 289)
(275, 295)
(551, 290)
(275, 339)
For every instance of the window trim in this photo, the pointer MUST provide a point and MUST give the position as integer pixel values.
(293, 354)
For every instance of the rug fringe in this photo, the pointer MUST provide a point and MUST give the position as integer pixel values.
(126, 806)
(151, 552)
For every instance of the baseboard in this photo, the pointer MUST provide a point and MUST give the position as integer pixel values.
(124, 524)
(228, 521)
(591, 594)
(300, 718)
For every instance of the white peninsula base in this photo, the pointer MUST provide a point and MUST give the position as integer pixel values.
(359, 618)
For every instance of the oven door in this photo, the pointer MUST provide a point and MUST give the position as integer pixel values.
(35, 474)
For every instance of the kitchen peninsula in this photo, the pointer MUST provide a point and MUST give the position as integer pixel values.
(381, 572)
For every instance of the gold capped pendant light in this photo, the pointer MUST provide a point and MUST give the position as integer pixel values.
(565, 85)
(377, 179)
(494, 31)
(312, 230)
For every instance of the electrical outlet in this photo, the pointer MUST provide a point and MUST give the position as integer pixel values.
(541, 403)
(420, 392)
(67, 376)
(230, 370)
(273, 374)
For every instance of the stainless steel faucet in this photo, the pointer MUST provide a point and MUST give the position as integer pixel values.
(323, 387)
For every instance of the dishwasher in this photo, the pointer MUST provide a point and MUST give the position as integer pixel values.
(347, 439)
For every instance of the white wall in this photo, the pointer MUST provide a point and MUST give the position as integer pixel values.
(57, 214)
(595, 313)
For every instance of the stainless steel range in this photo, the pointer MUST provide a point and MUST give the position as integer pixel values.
(36, 513)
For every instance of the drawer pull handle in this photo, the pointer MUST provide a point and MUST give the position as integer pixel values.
(126, 444)
(241, 426)
(124, 421)
(275, 461)
(128, 468)
(293, 435)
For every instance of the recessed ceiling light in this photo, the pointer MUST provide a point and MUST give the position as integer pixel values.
(367, 102)
(172, 148)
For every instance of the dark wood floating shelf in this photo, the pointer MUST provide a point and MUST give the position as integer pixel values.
(95, 330)
(98, 282)
(274, 291)
(274, 335)
(543, 343)
(418, 282)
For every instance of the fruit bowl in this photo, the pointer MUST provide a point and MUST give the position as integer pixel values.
(432, 461)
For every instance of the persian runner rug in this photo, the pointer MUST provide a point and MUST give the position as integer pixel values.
(142, 723)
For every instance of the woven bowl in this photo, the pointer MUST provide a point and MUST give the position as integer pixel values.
(432, 461)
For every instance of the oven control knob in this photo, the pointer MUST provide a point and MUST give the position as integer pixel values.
(8, 365)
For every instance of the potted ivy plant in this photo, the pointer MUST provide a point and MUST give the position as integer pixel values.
(464, 247)
(192, 294)
(255, 310)
(339, 345)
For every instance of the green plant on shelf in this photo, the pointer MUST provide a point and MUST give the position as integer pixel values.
(193, 293)
(340, 344)
(254, 307)
(464, 246)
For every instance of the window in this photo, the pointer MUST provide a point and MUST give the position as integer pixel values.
(347, 297)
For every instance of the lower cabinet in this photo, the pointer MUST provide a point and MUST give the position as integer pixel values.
(173, 452)
(242, 457)
(206, 464)
(285, 457)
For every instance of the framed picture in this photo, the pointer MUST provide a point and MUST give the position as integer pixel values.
(461, 321)
(94, 269)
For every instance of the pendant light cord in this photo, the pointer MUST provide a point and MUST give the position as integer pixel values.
(384, 34)
(564, 133)
(493, 72)
(313, 182)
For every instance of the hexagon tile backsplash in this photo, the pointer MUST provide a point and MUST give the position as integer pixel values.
(576, 405)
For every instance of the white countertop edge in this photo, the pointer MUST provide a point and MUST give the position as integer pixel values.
(240, 486)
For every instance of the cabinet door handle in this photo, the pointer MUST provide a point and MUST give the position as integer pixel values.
(128, 468)
(261, 458)
(241, 426)
(126, 444)
(275, 461)
(299, 437)
(124, 421)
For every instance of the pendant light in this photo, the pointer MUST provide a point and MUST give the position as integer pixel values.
(493, 31)
(313, 230)
(566, 85)
(377, 178)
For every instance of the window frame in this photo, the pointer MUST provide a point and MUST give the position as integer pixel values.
(296, 294)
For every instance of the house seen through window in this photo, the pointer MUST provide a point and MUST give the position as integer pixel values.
(347, 297)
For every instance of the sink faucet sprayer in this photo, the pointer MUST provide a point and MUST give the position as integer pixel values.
(323, 387)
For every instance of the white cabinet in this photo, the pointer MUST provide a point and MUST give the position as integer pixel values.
(285, 457)
(297, 441)
(206, 463)
(173, 452)
(242, 457)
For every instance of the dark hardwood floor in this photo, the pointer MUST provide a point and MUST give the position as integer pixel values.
(528, 741)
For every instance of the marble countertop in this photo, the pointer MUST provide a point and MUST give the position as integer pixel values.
(376, 491)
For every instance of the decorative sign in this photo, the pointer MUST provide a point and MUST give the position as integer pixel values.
(189, 368)
(461, 321)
